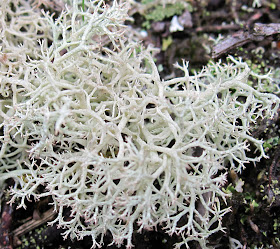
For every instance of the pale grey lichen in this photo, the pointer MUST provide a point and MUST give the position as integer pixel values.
(85, 114)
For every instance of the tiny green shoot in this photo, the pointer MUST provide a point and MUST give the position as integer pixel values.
(83, 7)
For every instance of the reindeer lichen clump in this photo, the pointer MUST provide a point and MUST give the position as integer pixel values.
(85, 114)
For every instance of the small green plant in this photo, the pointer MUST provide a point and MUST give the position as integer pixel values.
(83, 7)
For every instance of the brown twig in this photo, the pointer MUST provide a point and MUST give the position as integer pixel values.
(6, 221)
(273, 165)
(259, 32)
(217, 28)
(32, 224)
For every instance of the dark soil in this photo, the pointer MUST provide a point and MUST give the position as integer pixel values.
(255, 217)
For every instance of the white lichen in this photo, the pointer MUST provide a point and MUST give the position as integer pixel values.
(85, 114)
(175, 25)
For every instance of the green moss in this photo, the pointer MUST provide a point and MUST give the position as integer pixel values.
(271, 142)
(160, 12)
